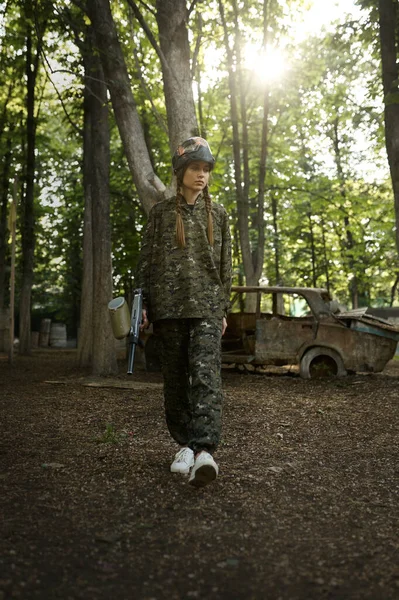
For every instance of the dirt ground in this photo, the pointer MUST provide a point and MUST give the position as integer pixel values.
(306, 505)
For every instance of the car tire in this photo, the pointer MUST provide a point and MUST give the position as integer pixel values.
(319, 362)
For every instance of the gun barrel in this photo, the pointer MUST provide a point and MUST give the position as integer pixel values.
(130, 362)
(134, 334)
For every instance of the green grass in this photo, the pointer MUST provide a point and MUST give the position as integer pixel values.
(111, 435)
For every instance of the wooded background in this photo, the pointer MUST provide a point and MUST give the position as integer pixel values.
(95, 96)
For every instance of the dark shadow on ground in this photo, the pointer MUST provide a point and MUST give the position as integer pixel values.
(306, 505)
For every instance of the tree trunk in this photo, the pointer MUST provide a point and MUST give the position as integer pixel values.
(250, 215)
(196, 72)
(312, 247)
(149, 187)
(242, 205)
(349, 243)
(388, 20)
(3, 117)
(276, 243)
(5, 184)
(172, 17)
(104, 355)
(260, 250)
(28, 217)
(325, 255)
(394, 289)
(85, 333)
(95, 324)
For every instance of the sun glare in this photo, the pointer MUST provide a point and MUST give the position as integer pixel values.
(267, 64)
(321, 14)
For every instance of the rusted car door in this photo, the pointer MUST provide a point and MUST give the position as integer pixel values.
(279, 339)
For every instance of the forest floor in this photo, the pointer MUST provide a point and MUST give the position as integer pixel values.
(306, 505)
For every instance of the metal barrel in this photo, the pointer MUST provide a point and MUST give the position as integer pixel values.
(130, 364)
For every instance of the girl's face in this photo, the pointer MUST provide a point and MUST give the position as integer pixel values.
(196, 176)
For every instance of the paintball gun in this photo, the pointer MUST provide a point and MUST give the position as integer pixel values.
(124, 325)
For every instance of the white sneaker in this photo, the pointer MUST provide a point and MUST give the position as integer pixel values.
(204, 471)
(183, 462)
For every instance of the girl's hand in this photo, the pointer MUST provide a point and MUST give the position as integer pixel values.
(144, 320)
(224, 325)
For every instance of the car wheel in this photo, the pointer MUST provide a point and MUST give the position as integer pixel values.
(321, 362)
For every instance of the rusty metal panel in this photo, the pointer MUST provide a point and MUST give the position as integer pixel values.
(360, 351)
(281, 340)
(381, 330)
(241, 322)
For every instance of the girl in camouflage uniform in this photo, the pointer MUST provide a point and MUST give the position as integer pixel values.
(184, 271)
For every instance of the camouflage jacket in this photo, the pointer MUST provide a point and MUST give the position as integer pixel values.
(188, 282)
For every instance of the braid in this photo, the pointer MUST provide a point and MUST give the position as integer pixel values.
(180, 237)
(208, 207)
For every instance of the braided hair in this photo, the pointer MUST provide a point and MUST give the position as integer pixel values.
(208, 208)
(180, 236)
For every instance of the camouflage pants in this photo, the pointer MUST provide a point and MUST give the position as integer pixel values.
(191, 368)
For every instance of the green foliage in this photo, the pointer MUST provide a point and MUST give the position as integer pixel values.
(325, 137)
(111, 435)
(329, 218)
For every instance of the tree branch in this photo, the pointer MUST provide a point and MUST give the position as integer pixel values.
(197, 47)
(71, 21)
(147, 93)
(147, 30)
(75, 127)
(148, 8)
(192, 6)
(164, 63)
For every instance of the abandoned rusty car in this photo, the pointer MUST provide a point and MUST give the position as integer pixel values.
(304, 327)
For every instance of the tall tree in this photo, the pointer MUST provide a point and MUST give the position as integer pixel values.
(389, 36)
(95, 323)
(130, 128)
(252, 251)
(6, 130)
(174, 51)
(4, 191)
(95, 341)
(35, 29)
